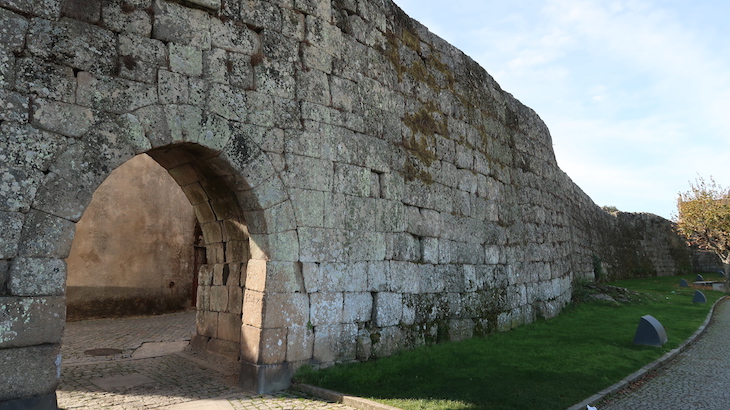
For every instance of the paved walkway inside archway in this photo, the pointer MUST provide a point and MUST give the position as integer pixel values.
(696, 379)
(144, 363)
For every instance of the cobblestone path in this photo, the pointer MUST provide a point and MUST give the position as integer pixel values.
(696, 379)
(175, 378)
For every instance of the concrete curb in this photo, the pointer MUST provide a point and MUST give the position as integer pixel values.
(655, 365)
(352, 401)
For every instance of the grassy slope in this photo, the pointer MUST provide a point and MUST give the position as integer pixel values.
(548, 364)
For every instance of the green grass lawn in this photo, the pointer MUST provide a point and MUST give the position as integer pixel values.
(549, 364)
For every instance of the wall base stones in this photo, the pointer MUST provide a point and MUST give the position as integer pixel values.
(44, 402)
(705, 261)
(30, 371)
(265, 378)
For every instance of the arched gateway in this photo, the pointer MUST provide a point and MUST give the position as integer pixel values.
(362, 186)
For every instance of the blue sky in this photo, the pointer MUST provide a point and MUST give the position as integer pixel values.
(636, 93)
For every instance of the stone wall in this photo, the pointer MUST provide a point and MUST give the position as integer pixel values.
(362, 186)
(132, 252)
(705, 261)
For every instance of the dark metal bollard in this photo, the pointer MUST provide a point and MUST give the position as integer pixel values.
(650, 332)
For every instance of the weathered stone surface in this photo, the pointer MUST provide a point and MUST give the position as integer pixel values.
(46, 80)
(388, 308)
(12, 222)
(18, 186)
(7, 68)
(49, 9)
(314, 244)
(209, 4)
(364, 345)
(227, 102)
(334, 342)
(135, 21)
(233, 37)
(14, 106)
(206, 323)
(37, 277)
(285, 309)
(243, 155)
(140, 57)
(263, 346)
(460, 329)
(12, 34)
(326, 308)
(273, 346)
(4, 270)
(183, 25)
(282, 246)
(218, 298)
(308, 173)
(275, 78)
(113, 94)
(62, 118)
(30, 371)
(172, 88)
(300, 342)
(69, 42)
(240, 71)
(261, 14)
(86, 166)
(229, 327)
(31, 321)
(308, 207)
(154, 123)
(357, 307)
(273, 276)
(187, 60)
(84, 10)
(387, 341)
(30, 147)
(184, 122)
(45, 235)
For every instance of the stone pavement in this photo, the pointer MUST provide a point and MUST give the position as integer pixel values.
(151, 367)
(697, 378)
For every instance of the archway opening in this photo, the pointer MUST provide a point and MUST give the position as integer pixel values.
(134, 251)
(164, 232)
(210, 238)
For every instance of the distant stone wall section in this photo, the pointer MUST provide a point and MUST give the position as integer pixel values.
(706, 261)
(362, 186)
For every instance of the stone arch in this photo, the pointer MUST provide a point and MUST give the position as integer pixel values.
(242, 205)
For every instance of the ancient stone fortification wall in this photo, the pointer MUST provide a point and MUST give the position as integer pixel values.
(132, 252)
(362, 186)
(705, 261)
